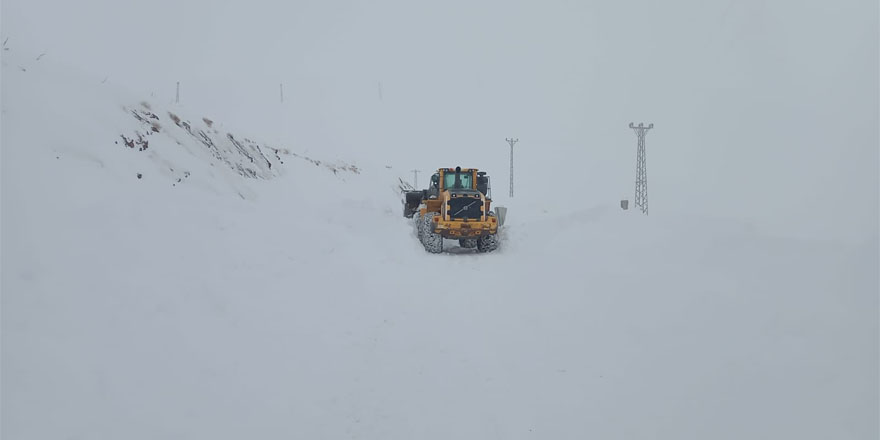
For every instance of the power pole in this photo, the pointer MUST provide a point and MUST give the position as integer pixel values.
(177, 95)
(281, 89)
(415, 179)
(511, 141)
(641, 167)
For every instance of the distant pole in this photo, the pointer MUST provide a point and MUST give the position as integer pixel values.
(281, 89)
(641, 167)
(415, 179)
(511, 141)
(177, 95)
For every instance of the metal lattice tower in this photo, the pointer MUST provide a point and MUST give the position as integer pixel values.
(511, 141)
(641, 167)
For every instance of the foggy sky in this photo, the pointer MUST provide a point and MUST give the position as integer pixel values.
(765, 111)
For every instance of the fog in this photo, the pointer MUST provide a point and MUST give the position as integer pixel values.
(764, 111)
(192, 301)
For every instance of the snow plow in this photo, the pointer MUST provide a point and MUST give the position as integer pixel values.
(455, 206)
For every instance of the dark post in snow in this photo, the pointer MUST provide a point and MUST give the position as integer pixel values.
(511, 141)
(641, 167)
(415, 179)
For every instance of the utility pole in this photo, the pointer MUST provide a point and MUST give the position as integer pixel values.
(177, 95)
(641, 167)
(281, 89)
(415, 179)
(511, 141)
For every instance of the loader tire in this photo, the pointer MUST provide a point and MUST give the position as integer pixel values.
(467, 243)
(432, 241)
(418, 221)
(425, 225)
(487, 243)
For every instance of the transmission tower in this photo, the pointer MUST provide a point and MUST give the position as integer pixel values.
(415, 179)
(641, 167)
(511, 141)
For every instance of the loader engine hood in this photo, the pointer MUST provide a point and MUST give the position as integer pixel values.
(465, 204)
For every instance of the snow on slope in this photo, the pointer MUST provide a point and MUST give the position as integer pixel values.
(302, 306)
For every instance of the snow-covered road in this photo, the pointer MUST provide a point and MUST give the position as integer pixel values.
(304, 307)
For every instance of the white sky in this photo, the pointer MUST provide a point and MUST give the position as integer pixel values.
(764, 111)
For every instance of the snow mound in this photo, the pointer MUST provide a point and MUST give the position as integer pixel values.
(162, 140)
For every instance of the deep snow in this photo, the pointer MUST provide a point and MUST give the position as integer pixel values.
(302, 306)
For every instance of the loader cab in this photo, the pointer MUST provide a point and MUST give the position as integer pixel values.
(461, 180)
(457, 179)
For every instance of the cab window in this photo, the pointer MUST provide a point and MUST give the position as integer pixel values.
(464, 183)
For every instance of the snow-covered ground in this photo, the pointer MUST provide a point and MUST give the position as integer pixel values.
(198, 302)
(152, 308)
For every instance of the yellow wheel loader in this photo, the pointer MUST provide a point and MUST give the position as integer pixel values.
(456, 206)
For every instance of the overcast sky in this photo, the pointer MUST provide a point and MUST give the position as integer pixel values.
(765, 111)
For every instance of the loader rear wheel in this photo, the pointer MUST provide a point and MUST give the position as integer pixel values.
(487, 243)
(425, 225)
(432, 241)
(467, 243)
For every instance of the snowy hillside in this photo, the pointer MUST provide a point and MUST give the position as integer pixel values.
(237, 290)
